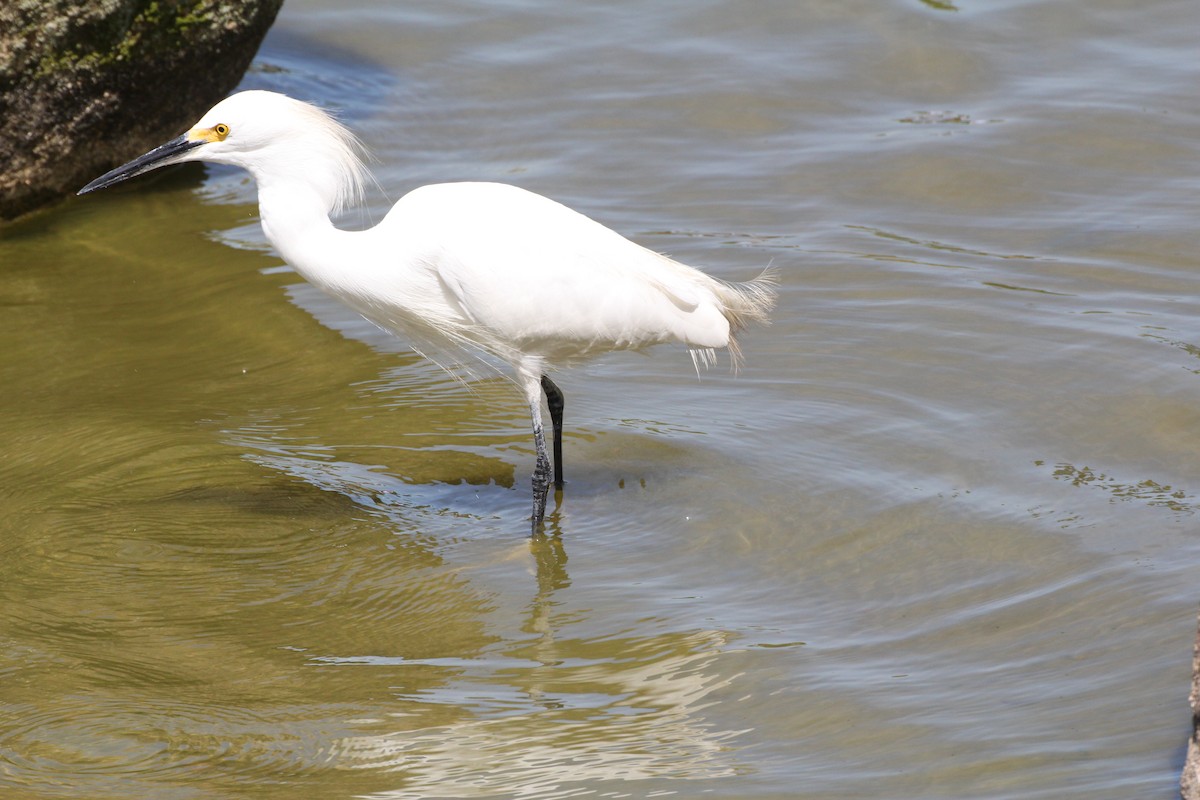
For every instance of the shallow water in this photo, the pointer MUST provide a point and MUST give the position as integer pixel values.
(937, 539)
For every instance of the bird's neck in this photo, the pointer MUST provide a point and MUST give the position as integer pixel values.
(294, 218)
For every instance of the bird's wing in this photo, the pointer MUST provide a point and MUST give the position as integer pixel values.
(529, 272)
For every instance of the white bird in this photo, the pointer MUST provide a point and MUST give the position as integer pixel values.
(480, 267)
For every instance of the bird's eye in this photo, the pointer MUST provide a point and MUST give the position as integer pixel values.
(221, 130)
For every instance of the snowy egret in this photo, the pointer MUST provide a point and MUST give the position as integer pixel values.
(463, 267)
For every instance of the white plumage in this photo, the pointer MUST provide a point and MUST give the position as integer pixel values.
(459, 268)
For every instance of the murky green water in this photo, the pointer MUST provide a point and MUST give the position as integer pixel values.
(937, 539)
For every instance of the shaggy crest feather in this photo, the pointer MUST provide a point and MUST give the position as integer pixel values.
(283, 141)
(342, 154)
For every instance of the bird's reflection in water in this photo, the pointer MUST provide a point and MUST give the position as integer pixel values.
(562, 703)
(550, 558)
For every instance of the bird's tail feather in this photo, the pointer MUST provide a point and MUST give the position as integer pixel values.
(751, 301)
(744, 304)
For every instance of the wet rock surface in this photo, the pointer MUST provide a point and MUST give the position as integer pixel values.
(86, 86)
(1189, 783)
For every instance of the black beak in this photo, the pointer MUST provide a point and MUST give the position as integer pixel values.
(158, 157)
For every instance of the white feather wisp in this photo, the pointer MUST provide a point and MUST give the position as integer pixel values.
(744, 304)
(333, 155)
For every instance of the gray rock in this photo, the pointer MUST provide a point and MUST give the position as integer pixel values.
(1189, 783)
(85, 86)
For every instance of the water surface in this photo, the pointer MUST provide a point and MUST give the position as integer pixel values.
(937, 539)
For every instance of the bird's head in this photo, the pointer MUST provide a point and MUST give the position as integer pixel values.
(278, 139)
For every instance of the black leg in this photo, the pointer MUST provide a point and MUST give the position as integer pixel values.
(554, 400)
